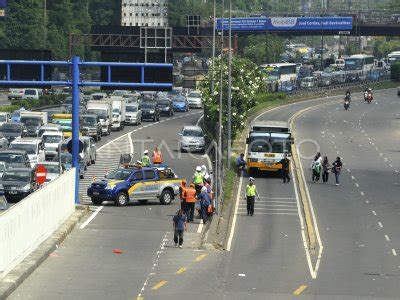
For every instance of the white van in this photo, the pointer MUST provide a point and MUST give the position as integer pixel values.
(33, 147)
(32, 94)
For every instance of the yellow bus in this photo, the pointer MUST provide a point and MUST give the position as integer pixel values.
(267, 142)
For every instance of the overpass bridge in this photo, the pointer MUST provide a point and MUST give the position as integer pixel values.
(184, 39)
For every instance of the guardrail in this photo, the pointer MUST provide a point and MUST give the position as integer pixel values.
(27, 224)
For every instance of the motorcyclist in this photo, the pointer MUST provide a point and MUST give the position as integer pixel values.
(347, 100)
(348, 93)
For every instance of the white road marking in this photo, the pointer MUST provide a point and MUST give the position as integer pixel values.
(130, 143)
(380, 224)
(352, 177)
(348, 170)
(387, 237)
(396, 171)
(242, 275)
(374, 213)
(357, 185)
(362, 193)
(200, 228)
(390, 165)
(229, 243)
(394, 252)
(94, 214)
(199, 120)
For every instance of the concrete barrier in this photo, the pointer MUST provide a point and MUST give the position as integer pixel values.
(27, 224)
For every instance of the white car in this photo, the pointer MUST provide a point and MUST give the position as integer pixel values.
(32, 94)
(15, 94)
(52, 141)
(49, 128)
(192, 139)
(5, 117)
(133, 114)
(194, 100)
(33, 147)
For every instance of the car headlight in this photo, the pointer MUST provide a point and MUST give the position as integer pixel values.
(151, 111)
(110, 187)
(26, 187)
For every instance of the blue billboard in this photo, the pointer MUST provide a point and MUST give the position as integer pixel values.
(287, 23)
(3, 3)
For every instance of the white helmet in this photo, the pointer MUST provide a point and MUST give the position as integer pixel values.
(198, 168)
(146, 152)
(138, 162)
(204, 189)
(204, 168)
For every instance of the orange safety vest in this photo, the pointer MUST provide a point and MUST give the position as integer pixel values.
(157, 157)
(190, 195)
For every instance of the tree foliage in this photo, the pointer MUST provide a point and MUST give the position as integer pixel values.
(263, 49)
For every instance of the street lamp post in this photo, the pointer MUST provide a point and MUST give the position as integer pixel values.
(220, 97)
(44, 24)
(230, 84)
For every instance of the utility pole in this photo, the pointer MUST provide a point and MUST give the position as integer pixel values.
(44, 24)
(213, 49)
(220, 97)
(230, 84)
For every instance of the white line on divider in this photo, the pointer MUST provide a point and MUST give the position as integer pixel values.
(94, 214)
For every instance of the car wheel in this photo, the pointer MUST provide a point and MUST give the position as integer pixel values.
(166, 197)
(121, 199)
(97, 201)
(158, 118)
(82, 176)
(142, 201)
(154, 118)
(93, 160)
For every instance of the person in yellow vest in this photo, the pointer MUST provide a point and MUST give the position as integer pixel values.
(251, 193)
(157, 157)
(146, 159)
(198, 179)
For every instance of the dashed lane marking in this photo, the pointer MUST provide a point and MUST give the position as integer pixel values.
(357, 184)
(380, 224)
(362, 194)
(374, 213)
(387, 237)
(200, 257)
(299, 290)
(159, 285)
(181, 270)
(352, 177)
(394, 252)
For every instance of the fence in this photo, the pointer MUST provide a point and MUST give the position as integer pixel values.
(27, 224)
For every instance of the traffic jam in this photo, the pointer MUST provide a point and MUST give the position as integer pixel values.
(36, 146)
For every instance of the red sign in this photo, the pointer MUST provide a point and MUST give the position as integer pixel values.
(40, 174)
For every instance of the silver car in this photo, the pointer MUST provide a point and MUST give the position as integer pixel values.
(133, 114)
(192, 139)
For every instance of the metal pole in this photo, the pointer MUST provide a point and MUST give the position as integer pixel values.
(213, 50)
(220, 96)
(75, 123)
(45, 25)
(229, 85)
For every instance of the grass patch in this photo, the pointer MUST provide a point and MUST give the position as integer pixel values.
(9, 108)
(229, 183)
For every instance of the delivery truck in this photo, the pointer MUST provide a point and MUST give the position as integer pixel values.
(103, 110)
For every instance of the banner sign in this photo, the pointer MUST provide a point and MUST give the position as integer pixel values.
(286, 23)
(3, 6)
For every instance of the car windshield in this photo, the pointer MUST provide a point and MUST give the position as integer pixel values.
(66, 158)
(148, 105)
(51, 138)
(270, 143)
(12, 158)
(119, 174)
(53, 169)
(16, 114)
(3, 118)
(17, 176)
(194, 95)
(30, 121)
(30, 92)
(119, 93)
(192, 132)
(89, 121)
(131, 109)
(97, 97)
(163, 103)
(98, 112)
(179, 100)
(29, 148)
(13, 128)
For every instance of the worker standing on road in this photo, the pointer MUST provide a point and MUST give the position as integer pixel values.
(316, 166)
(325, 169)
(157, 157)
(285, 162)
(182, 189)
(251, 193)
(198, 179)
(190, 197)
(179, 225)
(146, 159)
(337, 168)
(205, 202)
(211, 195)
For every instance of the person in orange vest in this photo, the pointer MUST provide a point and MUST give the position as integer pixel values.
(190, 197)
(157, 157)
(182, 189)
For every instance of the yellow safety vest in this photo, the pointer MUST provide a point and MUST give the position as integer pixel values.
(145, 161)
(198, 178)
(250, 190)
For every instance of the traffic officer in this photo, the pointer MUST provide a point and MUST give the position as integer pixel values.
(198, 179)
(157, 157)
(285, 162)
(190, 197)
(146, 159)
(182, 189)
(251, 193)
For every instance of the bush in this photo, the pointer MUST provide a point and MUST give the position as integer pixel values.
(45, 100)
(9, 108)
(395, 71)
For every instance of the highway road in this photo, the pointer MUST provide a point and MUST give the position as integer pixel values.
(357, 223)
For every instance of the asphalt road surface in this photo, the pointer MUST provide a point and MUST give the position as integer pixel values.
(267, 259)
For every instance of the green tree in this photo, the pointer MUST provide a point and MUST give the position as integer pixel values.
(263, 49)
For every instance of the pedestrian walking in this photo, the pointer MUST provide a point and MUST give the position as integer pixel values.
(337, 168)
(316, 167)
(285, 162)
(251, 193)
(157, 156)
(146, 159)
(182, 189)
(325, 169)
(180, 226)
(190, 197)
(205, 202)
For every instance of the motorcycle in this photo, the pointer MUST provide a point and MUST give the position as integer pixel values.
(369, 98)
(346, 104)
